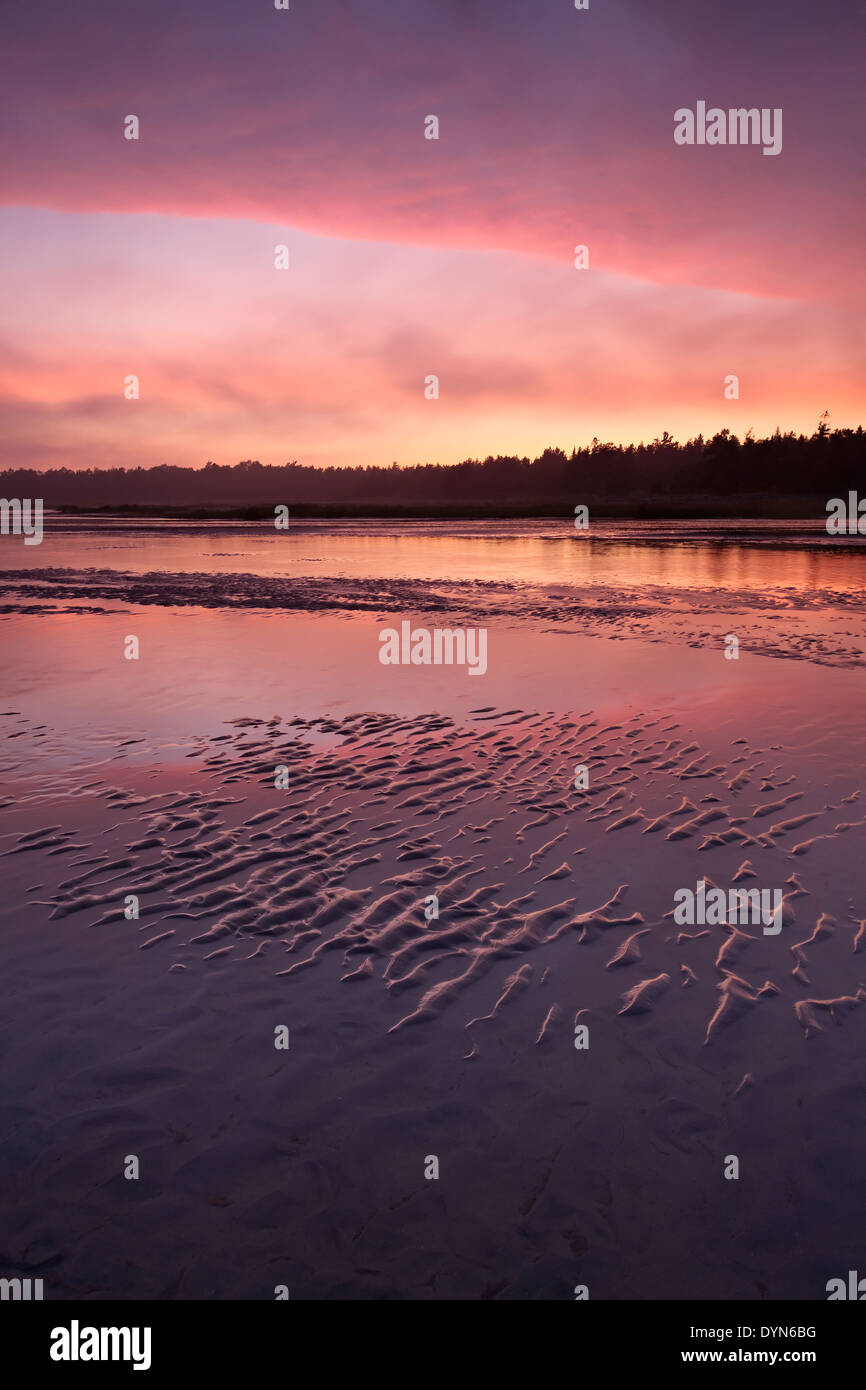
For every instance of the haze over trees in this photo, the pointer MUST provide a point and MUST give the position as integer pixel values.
(663, 473)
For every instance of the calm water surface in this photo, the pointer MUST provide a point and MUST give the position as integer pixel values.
(721, 554)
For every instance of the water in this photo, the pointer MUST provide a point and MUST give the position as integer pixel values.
(149, 1035)
(675, 589)
(730, 555)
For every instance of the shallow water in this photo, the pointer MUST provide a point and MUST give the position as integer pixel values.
(302, 908)
(721, 554)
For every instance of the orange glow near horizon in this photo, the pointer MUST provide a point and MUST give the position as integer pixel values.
(411, 257)
(326, 362)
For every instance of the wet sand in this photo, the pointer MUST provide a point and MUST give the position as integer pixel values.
(304, 908)
(812, 622)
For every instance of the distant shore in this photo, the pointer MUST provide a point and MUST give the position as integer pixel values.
(743, 506)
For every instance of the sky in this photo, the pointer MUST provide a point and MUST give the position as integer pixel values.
(409, 257)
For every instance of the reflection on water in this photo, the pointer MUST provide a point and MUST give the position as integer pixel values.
(722, 554)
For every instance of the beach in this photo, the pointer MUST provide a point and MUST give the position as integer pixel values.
(379, 917)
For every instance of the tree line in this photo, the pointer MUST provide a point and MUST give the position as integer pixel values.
(826, 463)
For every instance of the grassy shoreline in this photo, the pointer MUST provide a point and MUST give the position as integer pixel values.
(757, 507)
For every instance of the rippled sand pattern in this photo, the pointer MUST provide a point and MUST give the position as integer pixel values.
(395, 809)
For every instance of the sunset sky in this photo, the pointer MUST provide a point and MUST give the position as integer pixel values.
(412, 257)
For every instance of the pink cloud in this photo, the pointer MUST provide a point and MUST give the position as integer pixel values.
(556, 128)
(326, 362)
